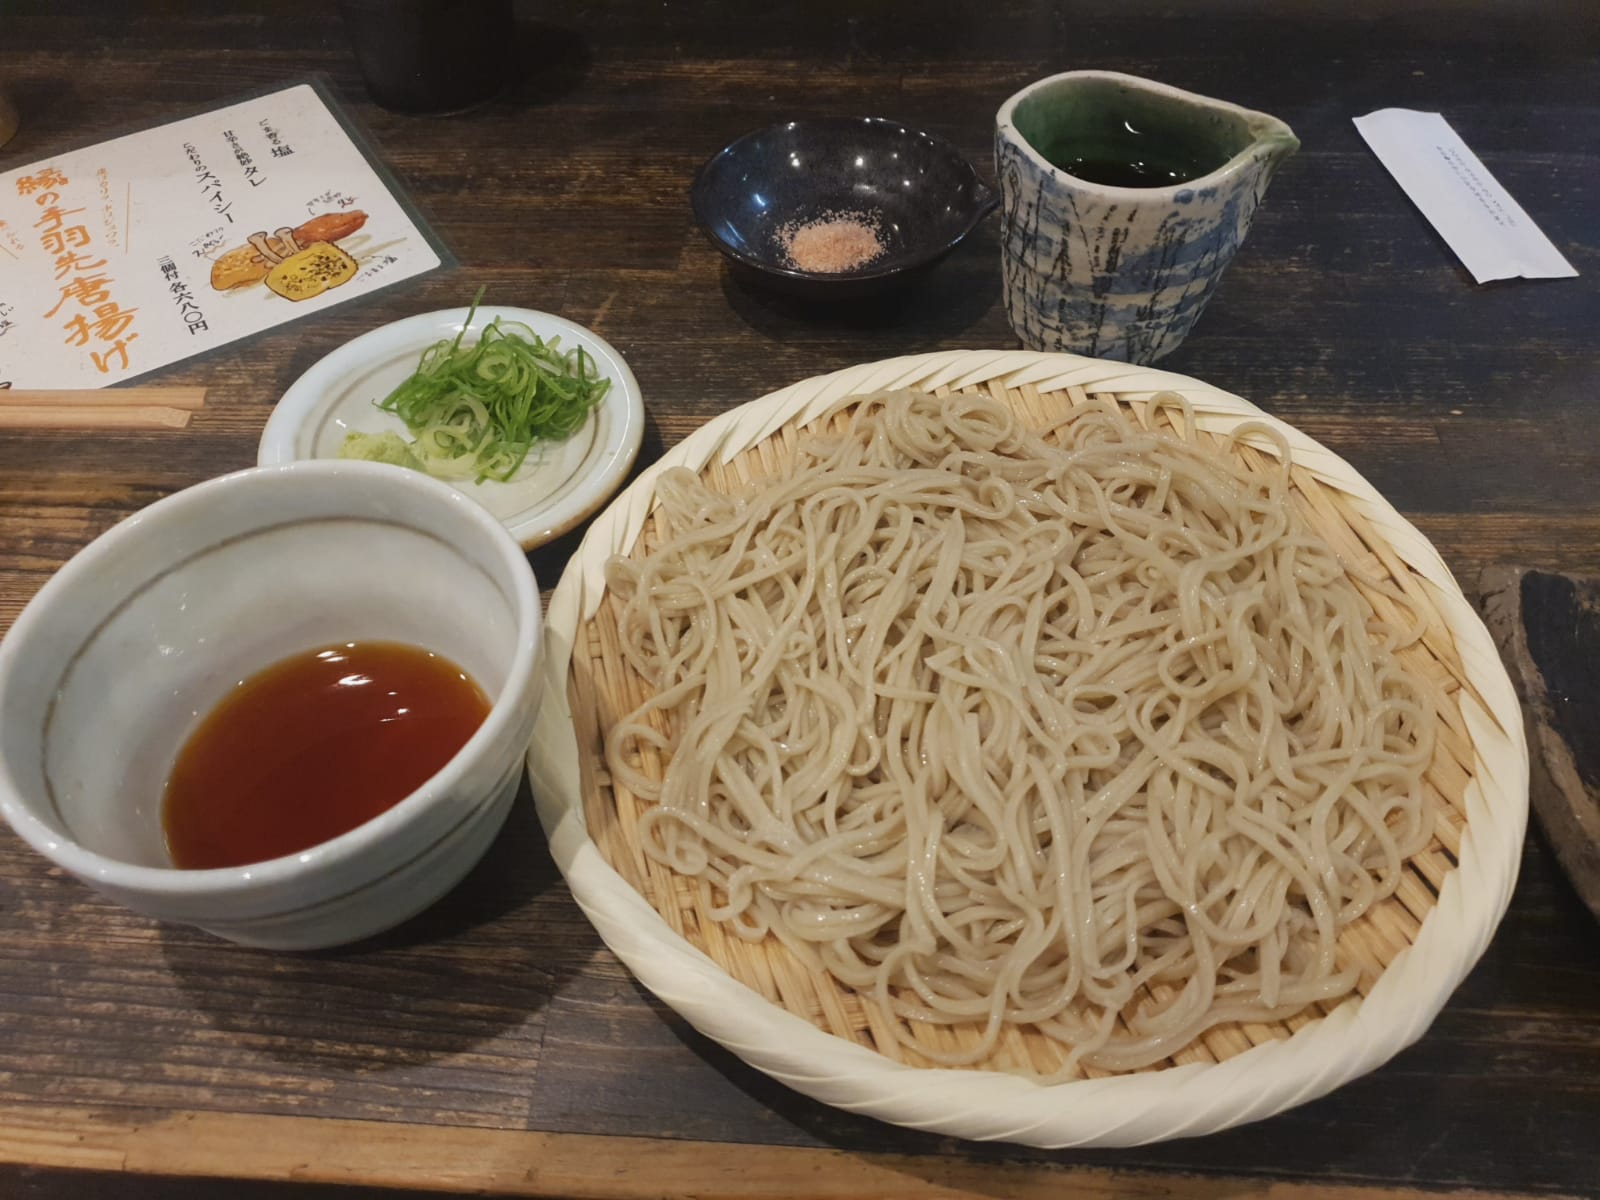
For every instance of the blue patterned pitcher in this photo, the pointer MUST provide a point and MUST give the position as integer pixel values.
(1124, 201)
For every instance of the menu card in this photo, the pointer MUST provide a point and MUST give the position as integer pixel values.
(126, 256)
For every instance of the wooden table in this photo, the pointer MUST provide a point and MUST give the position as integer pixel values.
(494, 1044)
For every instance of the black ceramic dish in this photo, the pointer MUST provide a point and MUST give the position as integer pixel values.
(924, 195)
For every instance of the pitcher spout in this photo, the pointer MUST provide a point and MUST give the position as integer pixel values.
(1273, 140)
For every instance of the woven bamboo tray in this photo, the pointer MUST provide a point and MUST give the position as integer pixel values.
(817, 1037)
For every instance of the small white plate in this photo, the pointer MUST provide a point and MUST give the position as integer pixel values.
(558, 486)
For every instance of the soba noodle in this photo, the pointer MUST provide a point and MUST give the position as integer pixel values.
(1097, 739)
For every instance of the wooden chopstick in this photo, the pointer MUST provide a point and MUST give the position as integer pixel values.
(83, 416)
(103, 408)
(189, 398)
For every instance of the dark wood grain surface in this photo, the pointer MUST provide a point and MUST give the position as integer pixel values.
(494, 1038)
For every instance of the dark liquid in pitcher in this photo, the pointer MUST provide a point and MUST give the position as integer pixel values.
(1131, 173)
(1120, 153)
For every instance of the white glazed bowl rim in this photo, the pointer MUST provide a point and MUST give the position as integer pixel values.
(82, 568)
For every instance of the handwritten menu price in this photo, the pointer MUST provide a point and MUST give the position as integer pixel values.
(133, 254)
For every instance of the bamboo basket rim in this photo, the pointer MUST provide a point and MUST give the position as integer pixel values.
(1115, 1110)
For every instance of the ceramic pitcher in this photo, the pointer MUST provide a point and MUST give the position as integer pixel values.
(1124, 200)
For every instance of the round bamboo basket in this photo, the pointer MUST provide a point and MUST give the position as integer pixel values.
(806, 1030)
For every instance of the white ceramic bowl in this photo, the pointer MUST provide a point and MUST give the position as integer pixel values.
(558, 487)
(110, 666)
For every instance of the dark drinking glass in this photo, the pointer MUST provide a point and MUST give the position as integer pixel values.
(431, 56)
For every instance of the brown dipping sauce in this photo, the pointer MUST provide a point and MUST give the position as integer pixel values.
(313, 746)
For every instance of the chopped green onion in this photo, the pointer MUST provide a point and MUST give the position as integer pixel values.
(477, 410)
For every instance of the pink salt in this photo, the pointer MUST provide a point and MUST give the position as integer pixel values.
(831, 244)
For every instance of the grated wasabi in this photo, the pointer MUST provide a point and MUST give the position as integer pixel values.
(388, 448)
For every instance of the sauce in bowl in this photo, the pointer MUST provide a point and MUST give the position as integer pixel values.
(312, 747)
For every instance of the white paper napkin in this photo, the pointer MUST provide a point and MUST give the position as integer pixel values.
(1490, 233)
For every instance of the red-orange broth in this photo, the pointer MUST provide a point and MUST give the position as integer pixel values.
(313, 746)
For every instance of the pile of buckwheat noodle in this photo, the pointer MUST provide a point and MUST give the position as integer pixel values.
(1096, 739)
